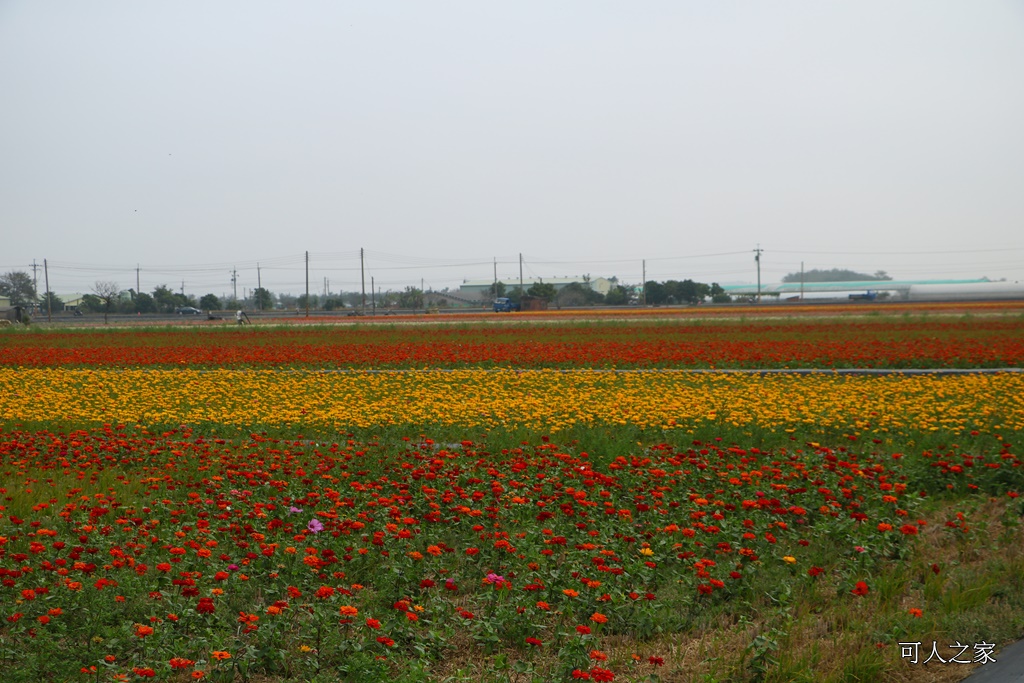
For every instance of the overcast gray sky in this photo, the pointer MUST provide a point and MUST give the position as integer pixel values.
(188, 138)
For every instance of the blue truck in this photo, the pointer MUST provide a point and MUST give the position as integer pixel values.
(505, 305)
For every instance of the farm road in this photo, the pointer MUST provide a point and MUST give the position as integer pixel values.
(1008, 667)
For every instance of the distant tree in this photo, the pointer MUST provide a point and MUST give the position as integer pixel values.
(834, 275)
(334, 303)
(108, 292)
(287, 300)
(167, 300)
(495, 291)
(718, 295)
(617, 296)
(692, 292)
(515, 295)
(144, 303)
(314, 301)
(90, 303)
(655, 293)
(545, 291)
(50, 302)
(18, 287)
(262, 298)
(576, 294)
(209, 302)
(572, 294)
(410, 298)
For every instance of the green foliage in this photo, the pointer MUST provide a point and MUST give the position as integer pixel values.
(210, 302)
(575, 294)
(51, 302)
(167, 301)
(311, 301)
(18, 287)
(544, 291)
(262, 299)
(834, 275)
(411, 298)
(617, 296)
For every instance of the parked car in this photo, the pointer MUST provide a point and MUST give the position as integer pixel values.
(187, 310)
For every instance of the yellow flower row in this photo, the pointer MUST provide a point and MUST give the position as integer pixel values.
(543, 399)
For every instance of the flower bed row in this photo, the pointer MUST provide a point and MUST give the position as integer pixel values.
(547, 400)
(156, 553)
(835, 343)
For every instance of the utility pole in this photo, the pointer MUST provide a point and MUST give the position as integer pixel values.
(138, 289)
(373, 299)
(362, 276)
(234, 284)
(259, 287)
(307, 284)
(643, 278)
(495, 276)
(183, 288)
(49, 298)
(521, 292)
(757, 257)
(35, 289)
(801, 281)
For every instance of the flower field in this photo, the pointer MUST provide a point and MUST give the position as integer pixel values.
(883, 342)
(506, 502)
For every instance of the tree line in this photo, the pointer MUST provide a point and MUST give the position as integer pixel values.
(653, 293)
(107, 297)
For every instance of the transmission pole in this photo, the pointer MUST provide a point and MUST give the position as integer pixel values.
(643, 277)
(521, 292)
(757, 258)
(49, 297)
(307, 284)
(259, 287)
(362, 276)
